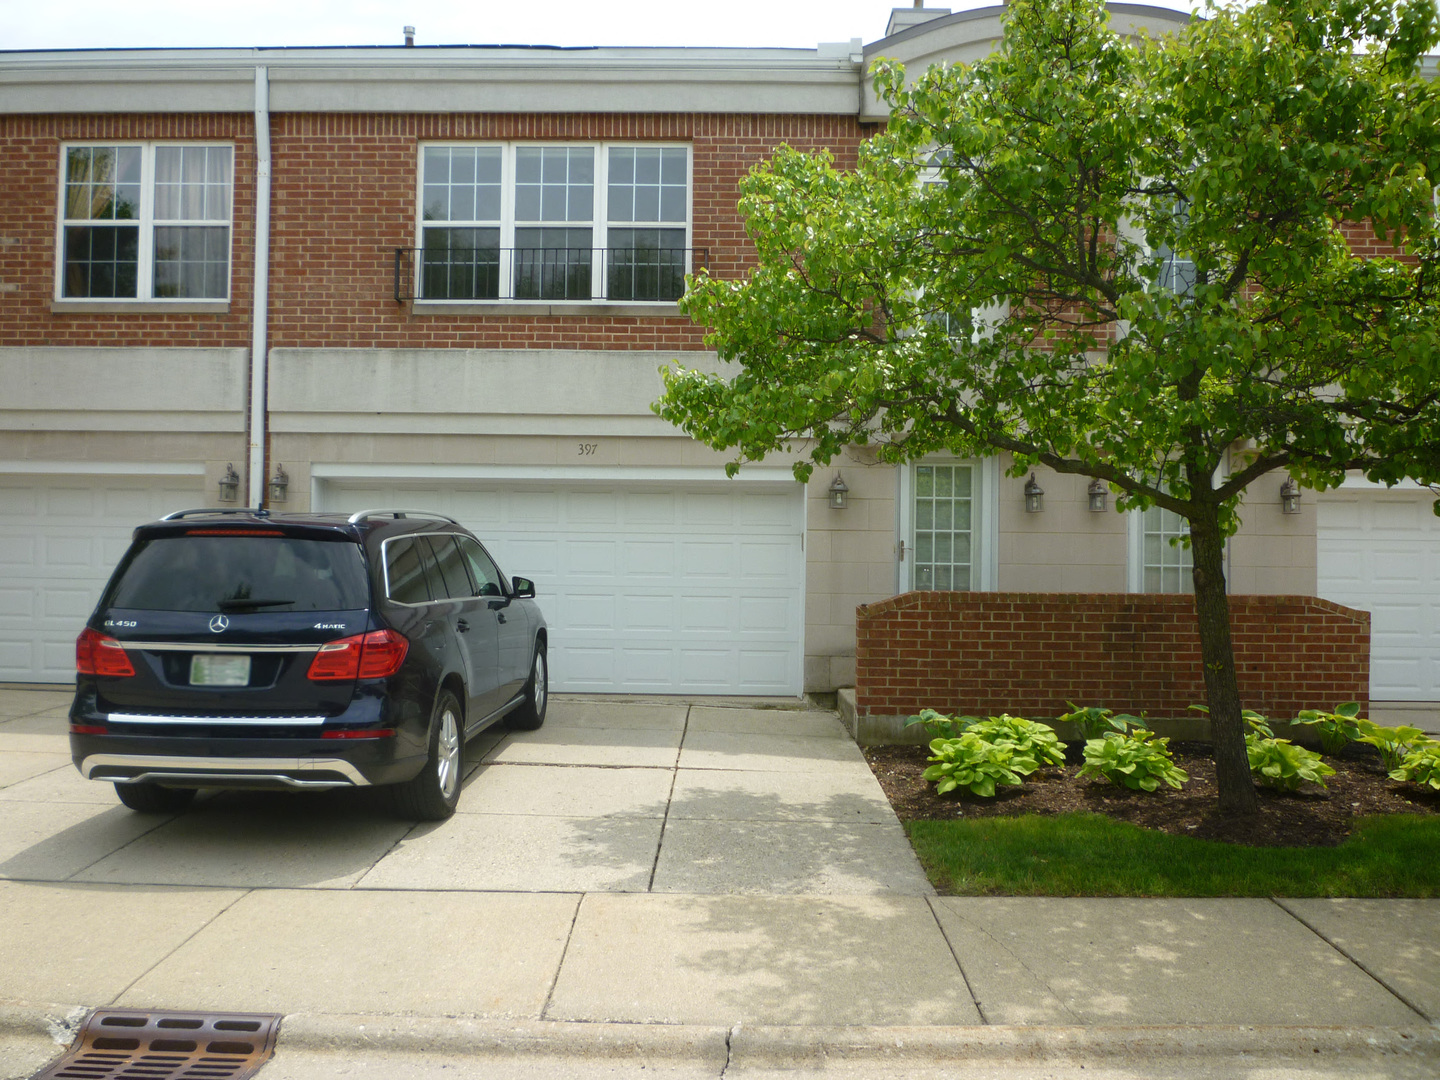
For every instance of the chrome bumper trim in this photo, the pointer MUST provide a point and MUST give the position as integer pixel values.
(215, 647)
(213, 771)
(216, 721)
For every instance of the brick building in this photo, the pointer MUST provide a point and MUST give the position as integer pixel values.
(446, 278)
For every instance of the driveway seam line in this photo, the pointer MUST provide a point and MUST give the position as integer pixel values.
(564, 952)
(243, 893)
(669, 800)
(158, 825)
(1278, 902)
(979, 1009)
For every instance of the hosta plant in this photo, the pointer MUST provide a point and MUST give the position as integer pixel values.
(1394, 743)
(1336, 729)
(977, 764)
(941, 726)
(1421, 766)
(1280, 764)
(1092, 721)
(1028, 736)
(1139, 761)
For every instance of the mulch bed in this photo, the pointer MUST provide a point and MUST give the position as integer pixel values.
(1311, 817)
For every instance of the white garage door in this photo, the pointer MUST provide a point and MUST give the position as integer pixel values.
(1380, 551)
(646, 589)
(60, 536)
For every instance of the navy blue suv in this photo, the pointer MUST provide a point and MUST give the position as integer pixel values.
(245, 649)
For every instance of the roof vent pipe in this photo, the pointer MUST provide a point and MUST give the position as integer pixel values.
(409, 37)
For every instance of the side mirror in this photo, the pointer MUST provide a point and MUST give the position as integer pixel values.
(524, 588)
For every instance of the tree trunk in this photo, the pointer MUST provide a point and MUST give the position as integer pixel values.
(1222, 690)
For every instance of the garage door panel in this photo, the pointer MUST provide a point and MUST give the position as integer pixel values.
(646, 589)
(1380, 552)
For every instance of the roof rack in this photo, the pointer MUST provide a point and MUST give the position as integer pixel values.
(365, 515)
(178, 514)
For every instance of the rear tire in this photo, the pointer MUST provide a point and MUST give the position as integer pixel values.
(150, 798)
(530, 713)
(434, 792)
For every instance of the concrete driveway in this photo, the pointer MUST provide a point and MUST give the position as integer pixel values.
(608, 796)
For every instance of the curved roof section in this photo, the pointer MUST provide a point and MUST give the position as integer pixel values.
(967, 36)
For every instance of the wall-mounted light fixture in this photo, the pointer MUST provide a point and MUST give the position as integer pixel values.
(230, 484)
(1034, 496)
(839, 494)
(1290, 496)
(279, 484)
(1099, 495)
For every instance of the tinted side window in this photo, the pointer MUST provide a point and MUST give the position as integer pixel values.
(488, 579)
(405, 572)
(452, 568)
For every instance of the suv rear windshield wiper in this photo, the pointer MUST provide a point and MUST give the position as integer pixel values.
(250, 605)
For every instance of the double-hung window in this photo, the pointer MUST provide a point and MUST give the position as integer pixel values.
(565, 222)
(146, 222)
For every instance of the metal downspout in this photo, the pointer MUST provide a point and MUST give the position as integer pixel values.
(259, 356)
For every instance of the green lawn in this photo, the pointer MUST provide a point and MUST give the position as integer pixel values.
(1092, 855)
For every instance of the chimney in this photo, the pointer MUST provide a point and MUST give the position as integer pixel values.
(409, 37)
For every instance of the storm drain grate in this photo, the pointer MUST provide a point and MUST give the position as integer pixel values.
(143, 1044)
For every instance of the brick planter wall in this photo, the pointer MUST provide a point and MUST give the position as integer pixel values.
(1029, 653)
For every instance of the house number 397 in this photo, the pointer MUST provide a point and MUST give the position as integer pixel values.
(587, 448)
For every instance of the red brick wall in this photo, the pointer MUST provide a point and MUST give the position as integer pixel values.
(1030, 653)
(30, 180)
(345, 194)
(343, 198)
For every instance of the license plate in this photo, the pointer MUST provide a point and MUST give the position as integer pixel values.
(208, 669)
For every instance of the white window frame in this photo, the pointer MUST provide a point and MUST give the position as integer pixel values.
(984, 522)
(1135, 543)
(146, 224)
(599, 222)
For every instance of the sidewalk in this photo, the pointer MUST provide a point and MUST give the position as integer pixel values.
(702, 889)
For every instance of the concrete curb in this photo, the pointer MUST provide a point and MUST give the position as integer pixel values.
(789, 1047)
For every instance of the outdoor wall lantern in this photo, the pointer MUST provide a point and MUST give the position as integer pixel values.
(839, 494)
(1290, 496)
(1099, 495)
(279, 484)
(230, 484)
(1034, 496)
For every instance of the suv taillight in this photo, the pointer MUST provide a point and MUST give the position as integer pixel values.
(364, 656)
(96, 654)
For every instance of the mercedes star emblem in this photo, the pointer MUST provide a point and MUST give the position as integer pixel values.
(219, 623)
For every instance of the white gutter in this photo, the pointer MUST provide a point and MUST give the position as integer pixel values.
(261, 296)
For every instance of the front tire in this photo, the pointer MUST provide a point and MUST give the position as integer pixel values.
(434, 792)
(150, 798)
(530, 713)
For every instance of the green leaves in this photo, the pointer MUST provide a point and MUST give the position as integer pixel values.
(1138, 761)
(1336, 729)
(1394, 743)
(1093, 721)
(996, 752)
(1280, 764)
(1420, 766)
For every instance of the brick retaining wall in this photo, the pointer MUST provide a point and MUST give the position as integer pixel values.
(1030, 653)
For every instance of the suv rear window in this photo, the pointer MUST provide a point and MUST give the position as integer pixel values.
(241, 574)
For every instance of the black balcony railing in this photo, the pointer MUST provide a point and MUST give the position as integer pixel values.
(479, 272)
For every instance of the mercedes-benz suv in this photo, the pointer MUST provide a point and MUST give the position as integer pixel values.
(245, 649)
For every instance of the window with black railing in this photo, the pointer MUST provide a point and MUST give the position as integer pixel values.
(568, 223)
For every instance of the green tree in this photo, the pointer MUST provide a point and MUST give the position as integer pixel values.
(1119, 257)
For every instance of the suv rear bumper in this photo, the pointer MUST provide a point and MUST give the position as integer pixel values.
(308, 774)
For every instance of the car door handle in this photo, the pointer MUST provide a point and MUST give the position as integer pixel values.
(462, 626)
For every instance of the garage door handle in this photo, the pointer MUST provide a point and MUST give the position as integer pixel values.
(462, 626)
